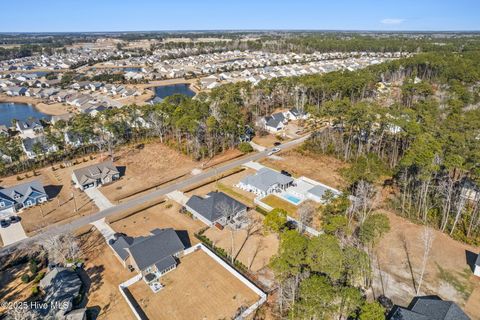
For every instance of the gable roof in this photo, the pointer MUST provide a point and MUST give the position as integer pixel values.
(61, 285)
(150, 250)
(213, 206)
(275, 119)
(266, 178)
(429, 308)
(24, 190)
(93, 172)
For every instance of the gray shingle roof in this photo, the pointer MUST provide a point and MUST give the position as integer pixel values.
(213, 206)
(165, 263)
(275, 119)
(153, 249)
(61, 285)
(429, 308)
(24, 190)
(96, 171)
(266, 178)
(439, 309)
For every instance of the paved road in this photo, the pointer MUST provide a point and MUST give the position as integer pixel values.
(83, 221)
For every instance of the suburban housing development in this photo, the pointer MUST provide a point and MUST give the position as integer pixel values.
(296, 160)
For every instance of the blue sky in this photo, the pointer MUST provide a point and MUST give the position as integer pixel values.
(128, 15)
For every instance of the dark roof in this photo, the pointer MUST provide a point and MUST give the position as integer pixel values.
(439, 309)
(478, 260)
(61, 285)
(213, 206)
(429, 308)
(165, 263)
(275, 119)
(150, 250)
(120, 246)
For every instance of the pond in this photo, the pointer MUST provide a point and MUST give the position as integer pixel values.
(19, 111)
(168, 90)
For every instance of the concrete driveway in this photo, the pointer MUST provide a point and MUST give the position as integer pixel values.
(12, 233)
(100, 200)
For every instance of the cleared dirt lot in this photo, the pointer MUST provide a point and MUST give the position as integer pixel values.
(251, 246)
(61, 206)
(323, 169)
(164, 215)
(199, 288)
(448, 273)
(105, 273)
(147, 167)
(153, 165)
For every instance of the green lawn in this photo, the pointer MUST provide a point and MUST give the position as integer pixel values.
(240, 197)
(275, 202)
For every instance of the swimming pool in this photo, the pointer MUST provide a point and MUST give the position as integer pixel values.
(290, 198)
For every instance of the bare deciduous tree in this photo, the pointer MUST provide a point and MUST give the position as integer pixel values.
(305, 213)
(229, 210)
(427, 238)
(62, 248)
(363, 203)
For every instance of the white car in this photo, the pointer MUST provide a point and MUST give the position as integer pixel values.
(274, 150)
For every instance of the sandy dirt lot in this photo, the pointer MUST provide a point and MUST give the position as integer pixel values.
(164, 215)
(153, 165)
(267, 140)
(105, 273)
(199, 288)
(147, 167)
(448, 273)
(61, 206)
(252, 246)
(323, 169)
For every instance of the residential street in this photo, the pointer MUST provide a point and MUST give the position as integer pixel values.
(82, 221)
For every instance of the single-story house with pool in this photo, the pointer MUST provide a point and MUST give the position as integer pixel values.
(265, 181)
(14, 199)
(215, 208)
(95, 175)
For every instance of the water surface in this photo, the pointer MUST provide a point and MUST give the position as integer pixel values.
(19, 111)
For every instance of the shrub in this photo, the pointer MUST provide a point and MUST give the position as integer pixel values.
(19, 178)
(32, 265)
(168, 206)
(39, 277)
(25, 278)
(245, 147)
(35, 291)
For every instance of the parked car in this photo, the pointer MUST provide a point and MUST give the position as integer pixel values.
(274, 150)
(277, 143)
(15, 219)
(286, 173)
(4, 223)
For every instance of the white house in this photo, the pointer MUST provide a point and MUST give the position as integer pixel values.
(265, 181)
(477, 267)
(275, 122)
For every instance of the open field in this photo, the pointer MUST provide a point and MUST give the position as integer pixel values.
(61, 206)
(267, 140)
(153, 165)
(164, 215)
(106, 273)
(448, 273)
(147, 167)
(199, 288)
(323, 169)
(251, 246)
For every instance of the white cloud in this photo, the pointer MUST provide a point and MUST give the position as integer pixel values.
(392, 21)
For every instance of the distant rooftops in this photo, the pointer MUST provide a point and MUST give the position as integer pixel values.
(429, 308)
